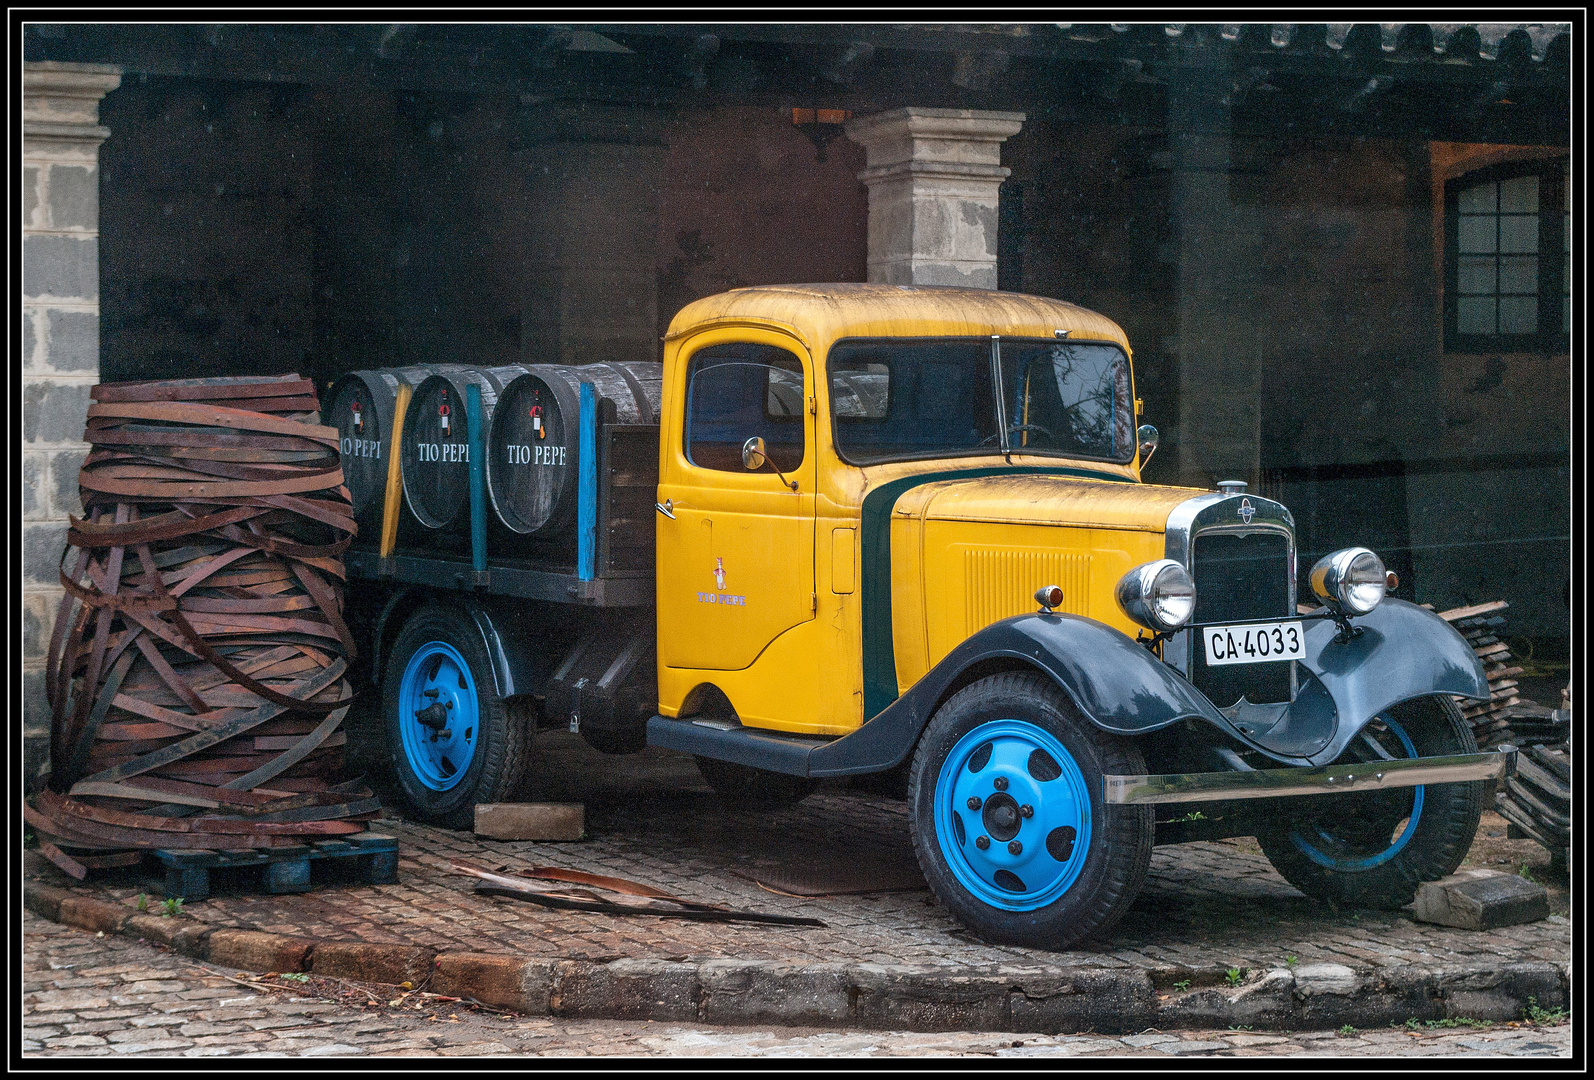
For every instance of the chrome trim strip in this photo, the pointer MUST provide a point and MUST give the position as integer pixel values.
(1328, 780)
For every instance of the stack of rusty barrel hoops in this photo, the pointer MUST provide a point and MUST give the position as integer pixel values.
(196, 674)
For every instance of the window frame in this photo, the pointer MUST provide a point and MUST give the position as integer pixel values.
(1553, 184)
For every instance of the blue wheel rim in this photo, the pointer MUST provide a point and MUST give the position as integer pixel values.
(1313, 846)
(1053, 836)
(437, 674)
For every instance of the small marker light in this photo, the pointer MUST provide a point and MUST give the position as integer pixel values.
(1049, 597)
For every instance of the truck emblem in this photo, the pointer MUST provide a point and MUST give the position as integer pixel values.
(719, 574)
(1247, 511)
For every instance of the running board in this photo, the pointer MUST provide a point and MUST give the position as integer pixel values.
(772, 751)
(1326, 780)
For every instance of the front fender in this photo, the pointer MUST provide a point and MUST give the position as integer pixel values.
(1116, 683)
(1402, 652)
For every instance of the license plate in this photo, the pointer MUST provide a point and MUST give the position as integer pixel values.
(1254, 643)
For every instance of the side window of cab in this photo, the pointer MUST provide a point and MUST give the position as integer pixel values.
(741, 390)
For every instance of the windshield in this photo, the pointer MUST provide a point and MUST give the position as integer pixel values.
(931, 397)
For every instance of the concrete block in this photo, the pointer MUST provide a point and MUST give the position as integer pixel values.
(61, 266)
(761, 992)
(35, 484)
(373, 963)
(1481, 900)
(31, 321)
(44, 900)
(1086, 999)
(64, 497)
(74, 197)
(86, 913)
(74, 341)
(42, 544)
(505, 982)
(1313, 979)
(631, 989)
(31, 214)
(905, 998)
(54, 412)
(252, 950)
(35, 721)
(530, 821)
(185, 936)
(38, 620)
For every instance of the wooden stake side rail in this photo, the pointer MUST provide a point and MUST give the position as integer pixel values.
(501, 578)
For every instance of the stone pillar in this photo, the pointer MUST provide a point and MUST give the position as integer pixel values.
(933, 177)
(1219, 252)
(591, 281)
(61, 138)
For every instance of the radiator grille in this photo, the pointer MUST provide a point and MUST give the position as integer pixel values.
(1238, 578)
(998, 584)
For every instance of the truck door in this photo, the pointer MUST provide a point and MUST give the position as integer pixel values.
(736, 561)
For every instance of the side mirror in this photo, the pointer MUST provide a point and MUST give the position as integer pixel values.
(754, 455)
(1146, 437)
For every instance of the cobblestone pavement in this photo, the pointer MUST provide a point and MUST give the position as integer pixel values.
(107, 996)
(650, 818)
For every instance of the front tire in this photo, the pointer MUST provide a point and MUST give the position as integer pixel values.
(1373, 849)
(451, 739)
(1008, 820)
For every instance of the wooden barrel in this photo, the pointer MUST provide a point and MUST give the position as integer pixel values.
(435, 460)
(360, 406)
(534, 445)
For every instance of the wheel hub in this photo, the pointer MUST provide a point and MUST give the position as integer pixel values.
(1001, 816)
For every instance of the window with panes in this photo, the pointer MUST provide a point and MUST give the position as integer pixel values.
(1508, 243)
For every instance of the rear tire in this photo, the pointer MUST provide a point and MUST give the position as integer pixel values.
(754, 788)
(473, 751)
(1009, 761)
(1373, 849)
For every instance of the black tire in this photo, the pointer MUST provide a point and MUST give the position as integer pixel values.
(502, 748)
(1120, 837)
(741, 785)
(1353, 828)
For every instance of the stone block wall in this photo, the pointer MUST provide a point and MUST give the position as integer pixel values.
(60, 346)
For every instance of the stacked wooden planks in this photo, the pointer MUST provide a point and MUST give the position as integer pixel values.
(196, 674)
(1481, 625)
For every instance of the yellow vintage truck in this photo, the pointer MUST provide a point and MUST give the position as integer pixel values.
(856, 528)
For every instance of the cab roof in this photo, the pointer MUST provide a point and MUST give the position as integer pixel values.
(819, 314)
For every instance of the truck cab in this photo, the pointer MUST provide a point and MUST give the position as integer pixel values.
(902, 530)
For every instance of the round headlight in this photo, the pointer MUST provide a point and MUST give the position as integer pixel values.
(1158, 595)
(1351, 580)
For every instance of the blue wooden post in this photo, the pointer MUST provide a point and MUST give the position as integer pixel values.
(587, 487)
(476, 449)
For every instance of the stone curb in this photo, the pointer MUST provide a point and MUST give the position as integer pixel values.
(1023, 999)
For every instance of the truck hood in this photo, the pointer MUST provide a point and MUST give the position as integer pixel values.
(1030, 499)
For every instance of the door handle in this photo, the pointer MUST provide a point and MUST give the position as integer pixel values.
(667, 508)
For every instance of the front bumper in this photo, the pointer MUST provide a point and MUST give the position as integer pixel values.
(1323, 780)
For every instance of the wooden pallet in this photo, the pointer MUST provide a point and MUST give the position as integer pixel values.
(287, 870)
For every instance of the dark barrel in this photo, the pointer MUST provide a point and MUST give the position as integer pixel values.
(360, 406)
(436, 460)
(535, 438)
